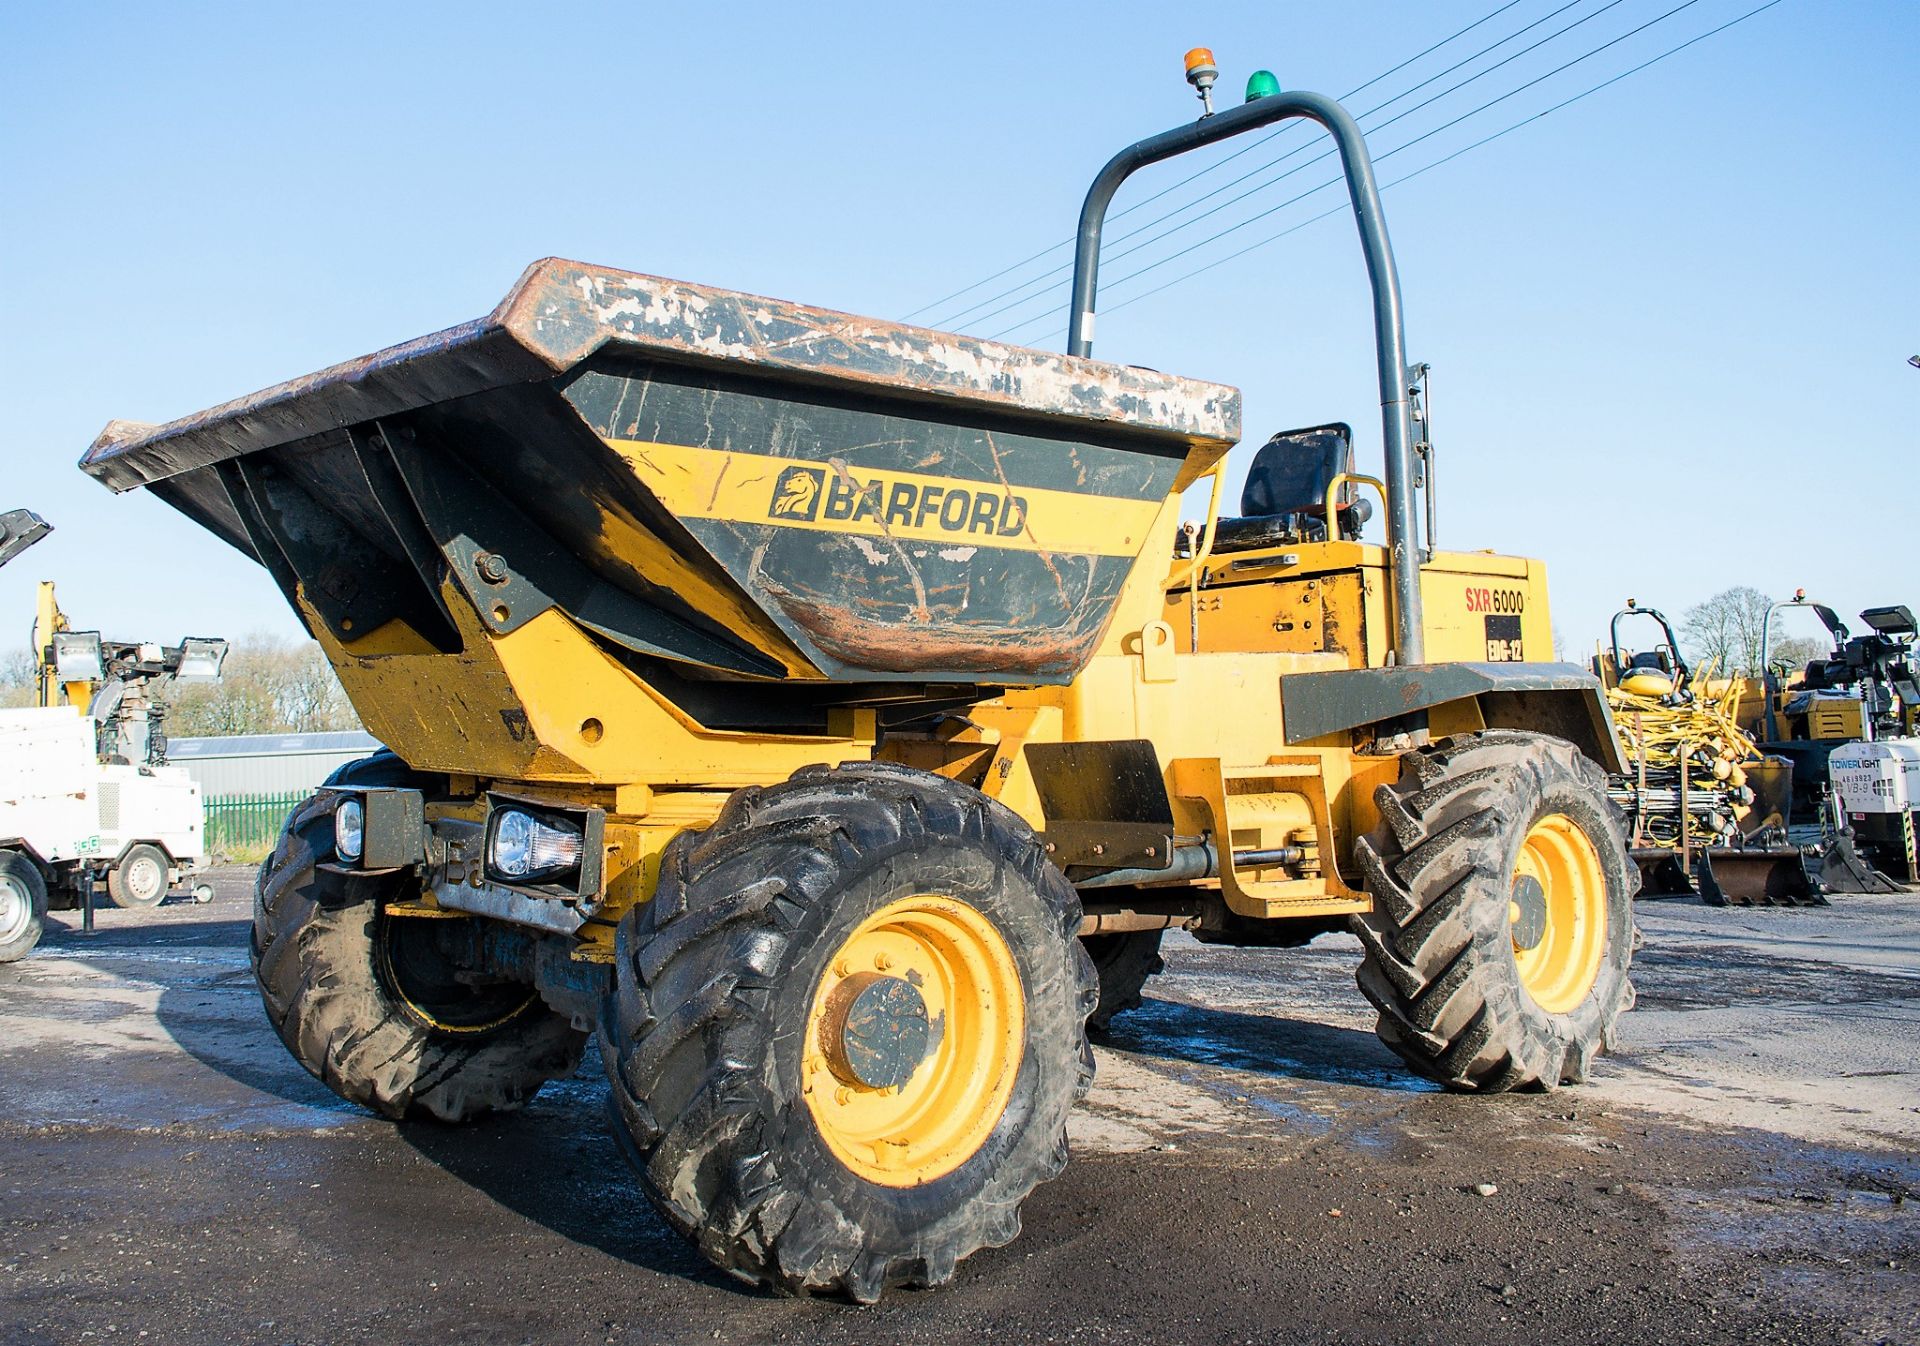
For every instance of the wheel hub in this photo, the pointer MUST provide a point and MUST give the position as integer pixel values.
(914, 1040)
(143, 879)
(16, 911)
(877, 1032)
(1557, 913)
(1527, 910)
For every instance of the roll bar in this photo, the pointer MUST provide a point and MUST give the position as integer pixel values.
(1769, 682)
(1390, 344)
(1682, 674)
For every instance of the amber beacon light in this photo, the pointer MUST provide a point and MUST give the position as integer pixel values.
(1201, 73)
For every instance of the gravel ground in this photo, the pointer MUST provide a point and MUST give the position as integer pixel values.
(1251, 1167)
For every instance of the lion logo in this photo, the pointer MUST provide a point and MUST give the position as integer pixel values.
(796, 494)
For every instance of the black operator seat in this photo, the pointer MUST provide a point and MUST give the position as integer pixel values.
(1285, 499)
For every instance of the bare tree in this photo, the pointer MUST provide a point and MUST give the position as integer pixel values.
(1728, 630)
(308, 695)
(269, 686)
(18, 682)
(1797, 651)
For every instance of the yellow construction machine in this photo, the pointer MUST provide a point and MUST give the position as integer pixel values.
(1865, 688)
(1833, 717)
(829, 715)
(1707, 810)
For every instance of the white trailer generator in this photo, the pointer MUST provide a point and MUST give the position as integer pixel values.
(1876, 793)
(69, 822)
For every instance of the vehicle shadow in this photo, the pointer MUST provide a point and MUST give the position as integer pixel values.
(554, 1163)
(1297, 1049)
(211, 1009)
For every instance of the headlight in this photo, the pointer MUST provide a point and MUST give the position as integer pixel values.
(528, 849)
(349, 829)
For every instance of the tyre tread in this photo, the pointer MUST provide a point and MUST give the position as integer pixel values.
(729, 900)
(337, 1023)
(1434, 968)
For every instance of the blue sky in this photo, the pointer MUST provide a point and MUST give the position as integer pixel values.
(1668, 324)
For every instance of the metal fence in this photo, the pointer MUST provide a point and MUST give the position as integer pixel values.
(247, 824)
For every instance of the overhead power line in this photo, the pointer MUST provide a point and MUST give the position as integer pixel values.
(1409, 144)
(1377, 159)
(1426, 168)
(1034, 283)
(1587, 55)
(1212, 167)
(1357, 89)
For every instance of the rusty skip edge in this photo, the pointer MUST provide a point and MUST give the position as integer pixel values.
(561, 312)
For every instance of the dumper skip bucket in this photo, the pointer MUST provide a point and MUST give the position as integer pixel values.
(740, 485)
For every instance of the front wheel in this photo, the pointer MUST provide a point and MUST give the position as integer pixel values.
(1502, 922)
(23, 906)
(845, 1034)
(391, 1012)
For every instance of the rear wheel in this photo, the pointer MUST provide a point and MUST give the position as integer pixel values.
(845, 1034)
(388, 1011)
(1123, 963)
(1502, 925)
(140, 879)
(23, 906)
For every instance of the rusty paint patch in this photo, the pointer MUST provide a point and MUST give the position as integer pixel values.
(1043, 653)
(561, 312)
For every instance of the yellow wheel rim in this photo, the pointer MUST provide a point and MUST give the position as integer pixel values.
(960, 968)
(1558, 911)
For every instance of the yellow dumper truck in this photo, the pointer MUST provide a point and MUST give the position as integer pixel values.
(828, 717)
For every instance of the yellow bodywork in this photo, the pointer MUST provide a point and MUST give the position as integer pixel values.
(1193, 661)
(1798, 714)
(1837, 718)
(632, 545)
(703, 483)
(1332, 596)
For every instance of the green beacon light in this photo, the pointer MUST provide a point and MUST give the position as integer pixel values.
(1261, 84)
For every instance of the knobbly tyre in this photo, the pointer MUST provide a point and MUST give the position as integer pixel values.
(829, 716)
